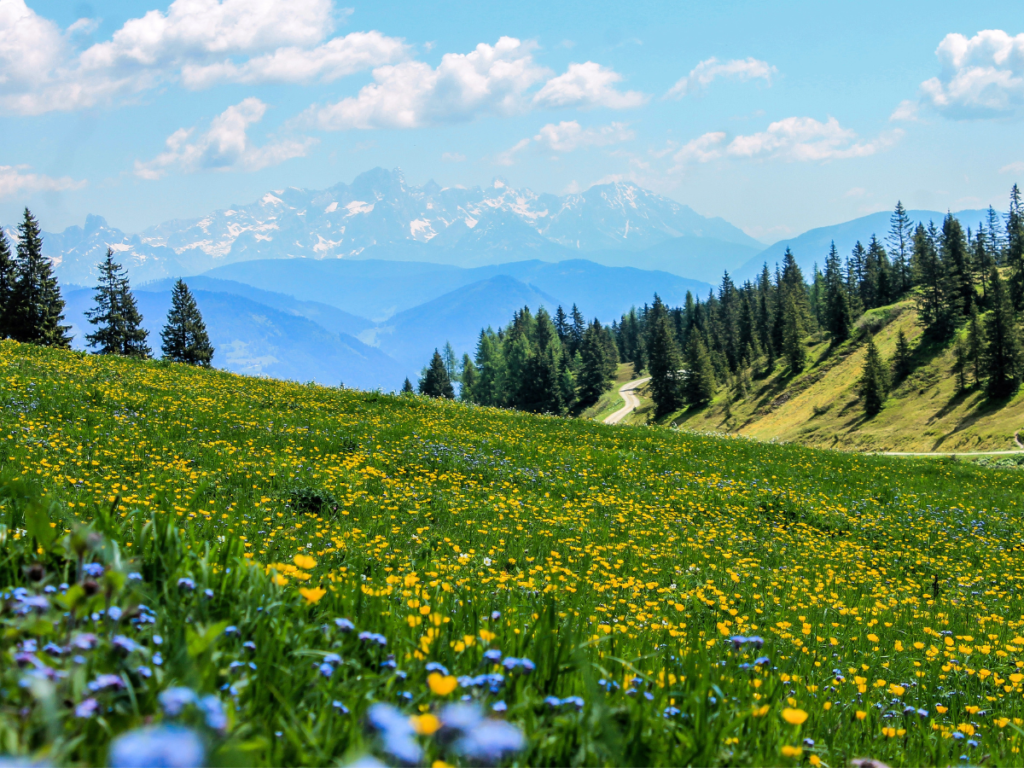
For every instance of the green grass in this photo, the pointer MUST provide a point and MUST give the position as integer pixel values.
(619, 561)
(610, 401)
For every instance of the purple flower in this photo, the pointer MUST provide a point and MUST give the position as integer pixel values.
(166, 746)
(85, 642)
(103, 682)
(124, 644)
(93, 570)
(87, 708)
(186, 584)
(344, 625)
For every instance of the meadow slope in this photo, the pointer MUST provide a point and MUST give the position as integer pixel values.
(643, 597)
(821, 406)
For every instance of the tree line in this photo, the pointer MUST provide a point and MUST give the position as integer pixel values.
(968, 287)
(32, 308)
(537, 363)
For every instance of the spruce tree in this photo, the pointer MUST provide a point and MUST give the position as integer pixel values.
(873, 381)
(407, 387)
(562, 324)
(902, 363)
(793, 337)
(1002, 345)
(576, 331)
(900, 240)
(994, 237)
(468, 377)
(36, 308)
(975, 345)
(8, 278)
(449, 362)
(961, 364)
(435, 381)
(1015, 249)
(837, 307)
(119, 325)
(956, 261)
(933, 300)
(699, 382)
(663, 360)
(593, 376)
(184, 336)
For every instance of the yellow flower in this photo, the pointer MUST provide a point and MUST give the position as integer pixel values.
(440, 684)
(827, 706)
(873, 638)
(312, 595)
(304, 561)
(897, 690)
(794, 716)
(487, 636)
(814, 760)
(788, 751)
(861, 714)
(278, 579)
(439, 764)
(425, 725)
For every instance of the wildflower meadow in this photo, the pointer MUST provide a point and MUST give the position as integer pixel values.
(245, 571)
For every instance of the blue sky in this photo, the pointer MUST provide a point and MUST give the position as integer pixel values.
(778, 117)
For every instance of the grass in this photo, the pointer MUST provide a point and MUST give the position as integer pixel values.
(610, 401)
(821, 407)
(681, 598)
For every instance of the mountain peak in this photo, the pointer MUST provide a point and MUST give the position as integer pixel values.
(94, 223)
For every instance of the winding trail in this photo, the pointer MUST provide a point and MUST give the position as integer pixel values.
(632, 402)
(1016, 439)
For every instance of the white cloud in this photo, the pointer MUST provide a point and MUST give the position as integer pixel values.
(196, 42)
(906, 110)
(796, 139)
(334, 59)
(453, 157)
(587, 85)
(981, 76)
(568, 136)
(1017, 167)
(489, 80)
(705, 72)
(225, 146)
(15, 180)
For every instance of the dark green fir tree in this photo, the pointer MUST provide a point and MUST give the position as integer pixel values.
(407, 388)
(116, 315)
(593, 375)
(8, 278)
(36, 309)
(1002, 345)
(184, 336)
(435, 381)
(902, 363)
(699, 386)
(663, 360)
(873, 382)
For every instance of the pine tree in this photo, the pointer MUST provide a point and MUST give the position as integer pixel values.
(663, 360)
(8, 278)
(184, 336)
(900, 240)
(902, 363)
(1015, 249)
(1002, 346)
(562, 326)
(579, 327)
(933, 302)
(490, 362)
(837, 307)
(407, 387)
(699, 381)
(975, 345)
(793, 337)
(956, 261)
(873, 381)
(468, 377)
(995, 239)
(36, 308)
(435, 381)
(961, 364)
(593, 376)
(119, 325)
(449, 362)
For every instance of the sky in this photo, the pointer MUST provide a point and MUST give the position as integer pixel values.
(778, 117)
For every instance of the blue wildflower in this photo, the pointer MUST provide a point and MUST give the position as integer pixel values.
(174, 700)
(88, 708)
(344, 625)
(186, 584)
(213, 712)
(93, 570)
(166, 746)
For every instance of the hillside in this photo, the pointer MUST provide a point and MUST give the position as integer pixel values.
(221, 558)
(821, 407)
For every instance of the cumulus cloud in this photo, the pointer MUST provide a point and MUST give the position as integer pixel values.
(707, 71)
(981, 76)
(453, 157)
(794, 139)
(568, 136)
(196, 42)
(16, 179)
(224, 146)
(906, 110)
(489, 80)
(1017, 167)
(587, 85)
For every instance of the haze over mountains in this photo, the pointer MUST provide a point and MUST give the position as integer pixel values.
(358, 283)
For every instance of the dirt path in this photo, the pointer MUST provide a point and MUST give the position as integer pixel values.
(1016, 439)
(632, 402)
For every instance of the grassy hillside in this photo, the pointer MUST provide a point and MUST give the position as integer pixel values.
(269, 564)
(820, 407)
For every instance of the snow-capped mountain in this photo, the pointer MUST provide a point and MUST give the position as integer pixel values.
(378, 215)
